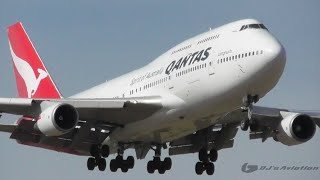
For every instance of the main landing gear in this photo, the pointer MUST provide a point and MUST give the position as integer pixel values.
(249, 100)
(157, 164)
(206, 160)
(120, 163)
(98, 153)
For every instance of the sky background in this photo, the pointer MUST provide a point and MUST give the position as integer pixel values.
(83, 43)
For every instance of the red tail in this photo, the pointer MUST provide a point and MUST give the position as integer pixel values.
(32, 77)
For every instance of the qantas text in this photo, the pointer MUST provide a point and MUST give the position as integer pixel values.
(188, 60)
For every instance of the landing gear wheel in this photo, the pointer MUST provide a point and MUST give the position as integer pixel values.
(254, 127)
(161, 169)
(203, 155)
(113, 165)
(91, 164)
(199, 168)
(210, 168)
(244, 125)
(94, 151)
(130, 161)
(124, 169)
(105, 151)
(101, 163)
(167, 163)
(213, 155)
(255, 98)
(150, 167)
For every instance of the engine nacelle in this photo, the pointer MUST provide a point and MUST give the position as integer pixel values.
(296, 129)
(57, 119)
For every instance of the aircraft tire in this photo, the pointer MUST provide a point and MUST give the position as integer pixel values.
(213, 155)
(209, 168)
(199, 168)
(91, 163)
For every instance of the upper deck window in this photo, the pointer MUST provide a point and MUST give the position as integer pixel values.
(253, 26)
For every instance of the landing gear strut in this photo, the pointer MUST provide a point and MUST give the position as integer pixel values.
(206, 160)
(98, 153)
(245, 123)
(157, 164)
(120, 163)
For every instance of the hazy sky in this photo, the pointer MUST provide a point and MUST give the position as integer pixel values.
(83, 43)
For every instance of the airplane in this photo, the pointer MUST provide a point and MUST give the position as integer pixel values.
(191, 99)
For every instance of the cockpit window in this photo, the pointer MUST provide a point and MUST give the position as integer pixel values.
(253, 26)
(244, 27)
(263, 27)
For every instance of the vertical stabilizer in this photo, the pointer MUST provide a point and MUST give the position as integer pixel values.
(32, 77)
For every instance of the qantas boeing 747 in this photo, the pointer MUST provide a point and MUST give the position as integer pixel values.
(191, 99)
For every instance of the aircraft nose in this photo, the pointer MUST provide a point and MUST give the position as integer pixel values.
(276, 53)
(275, 61)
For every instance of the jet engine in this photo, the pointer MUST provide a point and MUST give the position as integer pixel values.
(57, 119)
(295, 129)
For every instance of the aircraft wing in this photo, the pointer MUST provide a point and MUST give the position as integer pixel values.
(265, 115)
(114, 111)
(9, 128)
(97, 119)
(268, 120)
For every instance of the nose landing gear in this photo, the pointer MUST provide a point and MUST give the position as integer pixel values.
(249, 100)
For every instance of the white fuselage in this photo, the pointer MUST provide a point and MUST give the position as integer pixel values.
(199, 80)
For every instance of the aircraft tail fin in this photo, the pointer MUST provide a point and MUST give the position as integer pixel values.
(32, 77)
